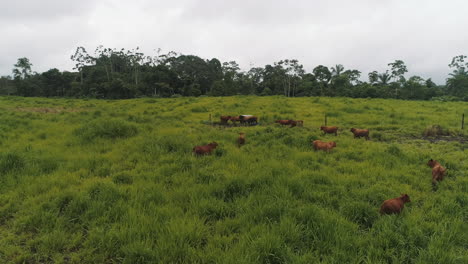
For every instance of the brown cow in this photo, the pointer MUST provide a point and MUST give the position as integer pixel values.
(241, 139)
(286, 122)
(320, 145)
(395, 205)
(234, 119)
(225, 119)
(438, 172)
(358, 133)
(204, 150)
(329, 130)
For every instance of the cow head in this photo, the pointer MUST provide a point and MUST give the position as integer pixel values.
(353, 129)
(431, 163)
(332, 144)
(213, 144)
(405, 198)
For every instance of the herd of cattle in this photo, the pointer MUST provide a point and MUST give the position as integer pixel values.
(391, 206)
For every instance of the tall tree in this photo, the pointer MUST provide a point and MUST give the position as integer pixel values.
(457, 83)
(22, 69)
(323, 76)
(81, 59)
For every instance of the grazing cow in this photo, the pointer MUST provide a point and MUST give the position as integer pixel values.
(283, 122)
(358, 133)
(235, 119)
(286, 122)
(395, 205)
(438, 172)
(225, 119)
(241, 139)
(249, 119)
(329, 130)
(204, 150)
(320, 145)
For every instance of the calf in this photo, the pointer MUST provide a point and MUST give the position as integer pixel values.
(329, 130)
(205, 150)
(438, 172)
(320, 145)
(358, 133)
(241, 139)
(395, 205)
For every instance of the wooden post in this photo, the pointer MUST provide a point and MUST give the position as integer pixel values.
(463, 121)
(325, 119)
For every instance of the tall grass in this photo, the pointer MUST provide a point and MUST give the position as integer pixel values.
(116, 182)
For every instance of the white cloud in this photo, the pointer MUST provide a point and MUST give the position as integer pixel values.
(362, 34)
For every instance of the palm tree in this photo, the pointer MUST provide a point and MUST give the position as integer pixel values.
(384, 78)
(337, 70)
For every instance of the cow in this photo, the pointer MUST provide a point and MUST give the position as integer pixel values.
(320, 145)
(283, 122)
(438, 172)
(204, 150)
(235, 119)
(329, 130)
(225, 119)
(241, 139)
(358, 133)
(286, 122)
(248, 119)
(395, 205)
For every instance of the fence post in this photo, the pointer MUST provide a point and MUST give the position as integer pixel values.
(463, 121)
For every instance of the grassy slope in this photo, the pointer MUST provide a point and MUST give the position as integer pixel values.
(135, 194)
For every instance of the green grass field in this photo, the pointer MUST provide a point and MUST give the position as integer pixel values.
(90, 181)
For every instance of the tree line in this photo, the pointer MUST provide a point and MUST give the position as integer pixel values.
(119, 74)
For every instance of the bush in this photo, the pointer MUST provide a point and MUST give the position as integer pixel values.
(112, 129)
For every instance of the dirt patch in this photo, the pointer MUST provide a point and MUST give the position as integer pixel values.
(48, 110)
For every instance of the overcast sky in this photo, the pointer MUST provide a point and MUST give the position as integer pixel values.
(360, 34)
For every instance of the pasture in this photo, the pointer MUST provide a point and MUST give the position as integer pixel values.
(95, 181)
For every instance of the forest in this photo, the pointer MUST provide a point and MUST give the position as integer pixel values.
(121, 74)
